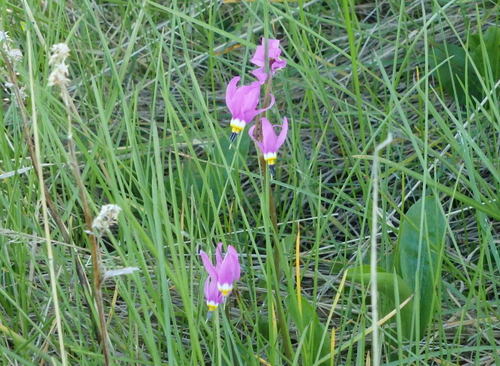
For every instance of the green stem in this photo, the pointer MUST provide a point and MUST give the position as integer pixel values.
(217, 334)
(94, 244)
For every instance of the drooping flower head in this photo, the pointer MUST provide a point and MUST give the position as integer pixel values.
(226, 271)
(273, 60)
(212, 294)
(270, 141)
(242, 103)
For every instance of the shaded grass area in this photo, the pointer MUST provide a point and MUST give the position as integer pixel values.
(148, 80)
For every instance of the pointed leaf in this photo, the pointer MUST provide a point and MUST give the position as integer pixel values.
(392, 290)
(421, 240)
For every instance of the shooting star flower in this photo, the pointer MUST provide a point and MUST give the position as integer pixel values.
(273, 59)
(226, 271)
(242, 103)
(212, 294)
(270, 141)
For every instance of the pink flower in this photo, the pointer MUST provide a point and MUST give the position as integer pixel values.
(242, 103)
(274, 61)
(212, 294)
(226, 271)
(270, 141)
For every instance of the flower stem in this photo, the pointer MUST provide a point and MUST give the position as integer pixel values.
(281, 319)
(94, 244)
(217, 333)
(38, 171)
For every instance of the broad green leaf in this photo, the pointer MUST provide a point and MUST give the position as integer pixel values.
(457, 75)
(454, 75)
(421, 240)
(392, 291)
(489, 56)
(307, 321)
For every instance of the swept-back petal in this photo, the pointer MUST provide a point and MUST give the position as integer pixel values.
(231, 251)
(218, 255)
(273, 44)
(258, 56)
(273, 51)
(259, 144)
(271, 103)
(230, 93)
(250, 133)
(207, 286)
(260, 74)
(212, 294)
(268, 136)
(249, 96)
(283, 133)
(229, 270)
(209, 267)
(278, 64)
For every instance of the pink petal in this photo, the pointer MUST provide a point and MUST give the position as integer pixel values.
(218, 255)
(235, 262)
(273, 51)
(258, 57)
(211, 291)
(250, 97)
(207, 287)
(208, 265)
(259, 144)
(268, 136)
(271, 103)
(260, 74)
(282, 136)
(278, 64)
(230, 92)
(272, 43)
(229, 269)
(251, 114)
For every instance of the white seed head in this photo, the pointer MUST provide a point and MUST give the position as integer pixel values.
(15, 55)
(22, 92)
(107, 217)
(60, 52)
(59, 76)
(4, 36)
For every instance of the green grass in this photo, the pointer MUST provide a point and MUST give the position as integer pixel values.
(148, 81)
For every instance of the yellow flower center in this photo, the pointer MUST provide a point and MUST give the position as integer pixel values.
(271, 161)
(212, 307)
(225, 292)
(237, 125)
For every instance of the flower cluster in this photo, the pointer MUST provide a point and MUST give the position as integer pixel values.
(221, 277)
(14, 55)
(242, 102)
(106, 218)
(60, 71)
(272, 56)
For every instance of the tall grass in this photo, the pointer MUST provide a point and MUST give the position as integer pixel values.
(148, 81)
